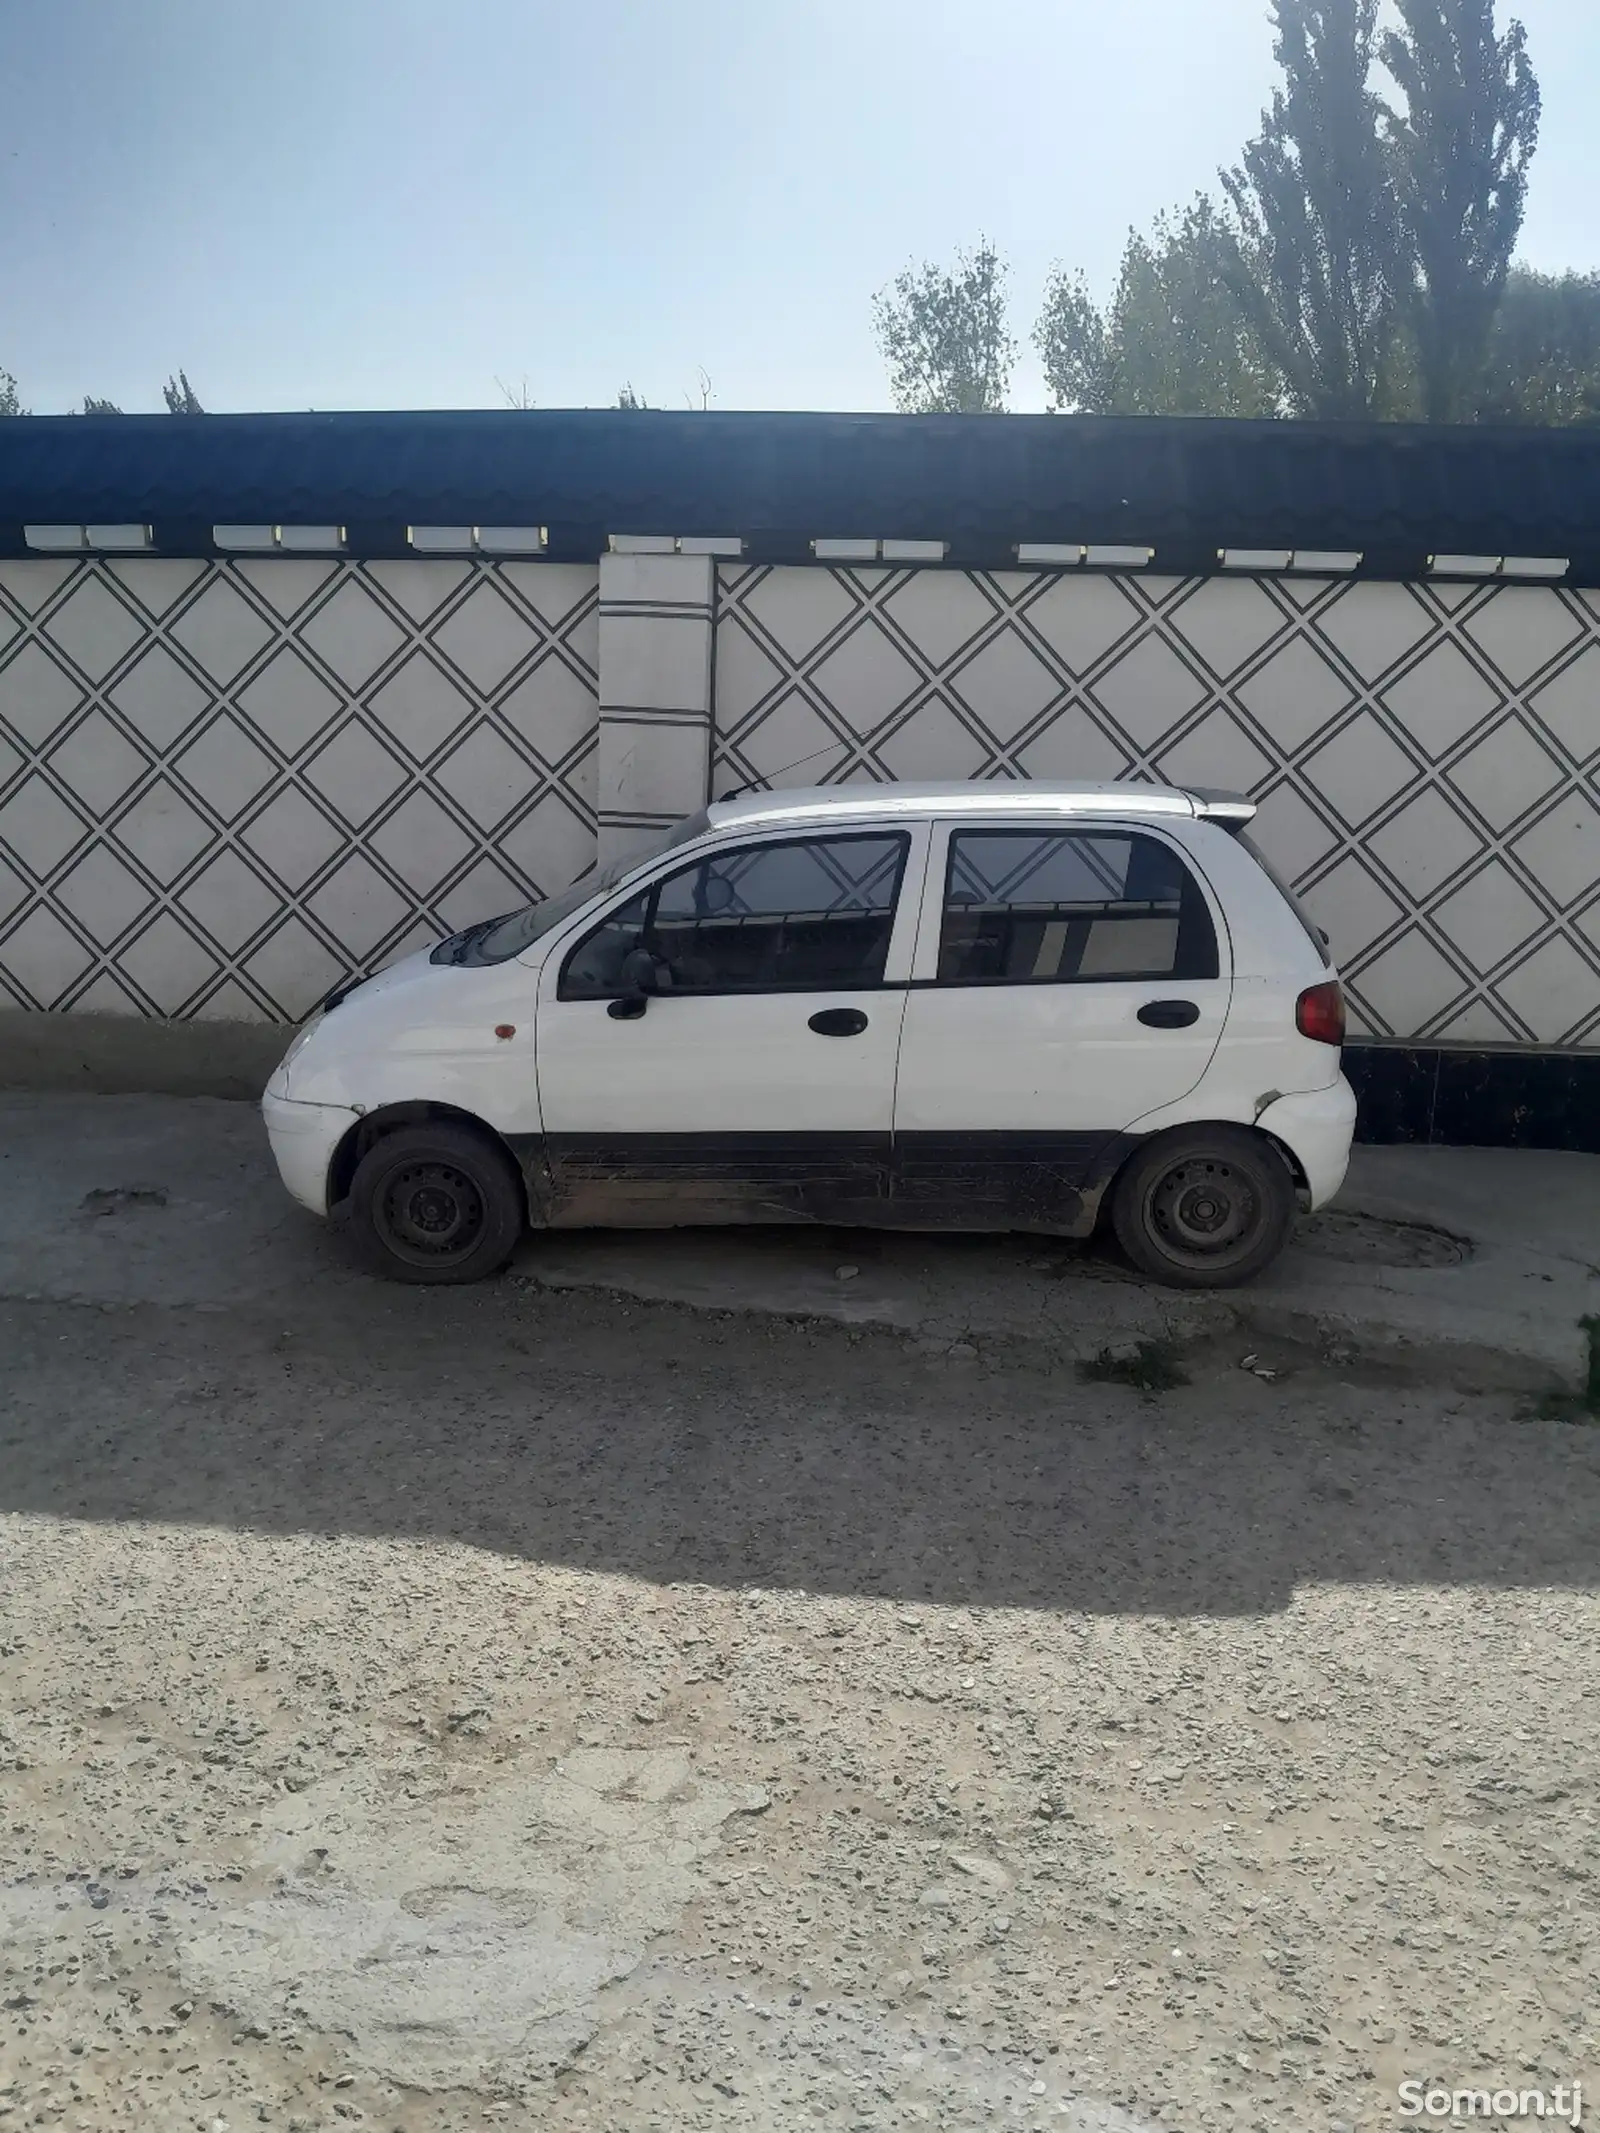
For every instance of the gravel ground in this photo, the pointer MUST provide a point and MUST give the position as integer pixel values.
(436, 1710)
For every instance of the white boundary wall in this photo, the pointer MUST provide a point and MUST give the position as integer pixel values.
(224, 786)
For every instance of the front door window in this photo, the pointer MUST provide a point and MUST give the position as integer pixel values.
(809, 916)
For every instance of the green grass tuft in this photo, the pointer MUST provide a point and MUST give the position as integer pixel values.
(1150, 1367)
(1581, 1406)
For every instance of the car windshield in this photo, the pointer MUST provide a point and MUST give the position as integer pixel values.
(497, 940)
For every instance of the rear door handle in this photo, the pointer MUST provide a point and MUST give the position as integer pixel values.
(1169, 1014)
(838, 1022)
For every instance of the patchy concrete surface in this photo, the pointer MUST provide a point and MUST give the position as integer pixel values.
(1474, 1264)
(437, 1711)
(150, 1200)
(462, 1943)
(1477, 1265)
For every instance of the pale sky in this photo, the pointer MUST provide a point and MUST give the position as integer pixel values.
(393, 203)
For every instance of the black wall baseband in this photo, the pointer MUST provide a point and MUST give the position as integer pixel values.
(1460, 1098)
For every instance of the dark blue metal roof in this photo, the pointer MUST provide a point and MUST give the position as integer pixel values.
(980, 482)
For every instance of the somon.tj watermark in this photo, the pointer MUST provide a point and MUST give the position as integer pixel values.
(1430, 2099)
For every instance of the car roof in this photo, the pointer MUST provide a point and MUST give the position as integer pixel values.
(813, 804)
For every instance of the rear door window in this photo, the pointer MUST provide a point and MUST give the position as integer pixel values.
(1070, 907)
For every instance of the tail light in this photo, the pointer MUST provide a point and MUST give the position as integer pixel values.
(1319, 1012)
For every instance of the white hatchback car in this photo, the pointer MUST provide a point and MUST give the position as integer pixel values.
(961, 1007)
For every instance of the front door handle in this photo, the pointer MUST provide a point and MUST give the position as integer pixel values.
(838, 1022)
(1169, 1014)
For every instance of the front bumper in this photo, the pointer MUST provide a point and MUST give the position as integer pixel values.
(304, 1137)
(1317, 1127)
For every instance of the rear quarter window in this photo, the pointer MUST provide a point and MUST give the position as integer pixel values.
(1313, 932)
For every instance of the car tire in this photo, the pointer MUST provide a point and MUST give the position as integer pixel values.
(435, 1203)
(1204, 1207)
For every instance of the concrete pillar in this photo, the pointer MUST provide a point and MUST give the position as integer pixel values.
(655, 695)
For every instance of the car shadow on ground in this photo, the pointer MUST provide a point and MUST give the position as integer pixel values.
(671, 1445)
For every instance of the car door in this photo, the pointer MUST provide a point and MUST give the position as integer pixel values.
(757, 1082)
(1068, 981)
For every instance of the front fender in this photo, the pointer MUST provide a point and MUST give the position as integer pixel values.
(462, 1038)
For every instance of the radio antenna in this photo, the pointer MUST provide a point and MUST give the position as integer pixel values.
(799, 762)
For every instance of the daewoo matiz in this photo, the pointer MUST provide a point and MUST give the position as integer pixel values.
(967, 1007)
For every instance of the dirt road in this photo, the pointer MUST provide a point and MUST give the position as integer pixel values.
(437, 1710)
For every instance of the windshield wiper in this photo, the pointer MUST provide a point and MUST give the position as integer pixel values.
(456, 948)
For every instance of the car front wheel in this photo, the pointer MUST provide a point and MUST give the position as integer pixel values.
(1204, 1207)
(435, 1203)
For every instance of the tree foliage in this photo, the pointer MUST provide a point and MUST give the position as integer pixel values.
(10, 398)
(1459, 155)
(1312, 259)
(1171, 340)
(180, 396)
(92, 406)
(634, 402)
(1358, 263)
(1542, 358)
(1077, 344)
(944, 335)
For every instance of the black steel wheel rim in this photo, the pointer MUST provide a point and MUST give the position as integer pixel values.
(431, 1213)
(1203, 1210)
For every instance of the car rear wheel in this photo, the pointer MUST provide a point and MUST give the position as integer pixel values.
(435, 1203)
(1204, 1207)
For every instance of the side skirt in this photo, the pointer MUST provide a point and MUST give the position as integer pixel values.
(667, 1180)
(1048, 1183)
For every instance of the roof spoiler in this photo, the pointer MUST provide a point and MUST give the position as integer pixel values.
(1230, 810)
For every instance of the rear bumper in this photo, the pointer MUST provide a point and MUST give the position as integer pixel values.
(304, 1137)
(1317, 1128)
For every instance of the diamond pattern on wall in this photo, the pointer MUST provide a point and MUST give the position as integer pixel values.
(223, 787)
(93, 628)
(37, 693)
(226, 786)
(1425, 757)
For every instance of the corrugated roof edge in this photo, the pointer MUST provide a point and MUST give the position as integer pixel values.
(982, 484)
